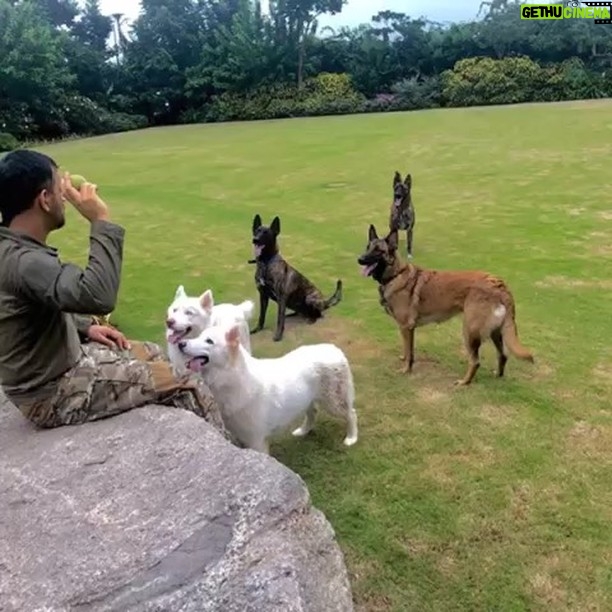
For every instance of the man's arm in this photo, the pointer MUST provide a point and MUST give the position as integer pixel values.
(71, 289)
(83, 323)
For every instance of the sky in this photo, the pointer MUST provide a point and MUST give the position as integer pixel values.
(354, 12)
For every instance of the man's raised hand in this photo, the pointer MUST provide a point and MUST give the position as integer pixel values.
(86, 200)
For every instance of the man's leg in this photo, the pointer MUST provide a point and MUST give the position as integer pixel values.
(147, 351)
(107, 382)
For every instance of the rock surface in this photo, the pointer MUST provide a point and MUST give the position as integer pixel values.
(154, 510)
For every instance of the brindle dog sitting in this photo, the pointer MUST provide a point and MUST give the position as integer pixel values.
(401, 215)
(276, 280)
(416, 296)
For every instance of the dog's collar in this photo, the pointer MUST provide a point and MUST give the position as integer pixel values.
(383, 282)
(272, 259)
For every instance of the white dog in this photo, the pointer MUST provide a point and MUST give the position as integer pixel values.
(188, 317)
(259, 397)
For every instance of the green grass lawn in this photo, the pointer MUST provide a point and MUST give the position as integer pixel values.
(492, 497)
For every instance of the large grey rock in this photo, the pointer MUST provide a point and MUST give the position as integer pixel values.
(155, 510)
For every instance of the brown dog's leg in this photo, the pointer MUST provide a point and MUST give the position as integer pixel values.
(472, 344)
(409, 241)
(501, 356)
(408, 337)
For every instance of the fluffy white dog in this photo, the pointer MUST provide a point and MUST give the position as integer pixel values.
(188, 317)
(260, 397)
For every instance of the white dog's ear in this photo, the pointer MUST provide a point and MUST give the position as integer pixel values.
(232, 336)
(180, 292)
(206, 300)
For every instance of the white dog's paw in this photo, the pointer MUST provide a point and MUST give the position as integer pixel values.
(350, 440)
(300, 432)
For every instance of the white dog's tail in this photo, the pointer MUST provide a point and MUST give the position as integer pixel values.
(248, 308)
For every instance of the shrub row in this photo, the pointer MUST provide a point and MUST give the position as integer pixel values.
(472, 82)
(476, 81)
(77, 115)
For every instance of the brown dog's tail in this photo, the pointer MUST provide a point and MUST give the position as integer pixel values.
(335, 298)
(510, 336)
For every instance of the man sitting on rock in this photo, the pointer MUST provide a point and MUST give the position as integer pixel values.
(56, 365)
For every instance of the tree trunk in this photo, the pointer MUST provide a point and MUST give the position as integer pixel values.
(301, 36)
(300, 70)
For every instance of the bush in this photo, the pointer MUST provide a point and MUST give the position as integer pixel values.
(576, 82)
(8, 142)
(483, 80)
(16, 119)
(414, 93)
(326, 94)
(85, 117)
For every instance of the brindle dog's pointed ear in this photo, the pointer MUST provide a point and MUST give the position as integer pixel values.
(256, 223)
(372, 235)
(397, 178)
(392, 240)
(408, 181)
(275, 226)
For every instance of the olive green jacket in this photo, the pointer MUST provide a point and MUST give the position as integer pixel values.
(42, 303)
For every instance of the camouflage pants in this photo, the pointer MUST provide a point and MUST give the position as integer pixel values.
(106, 382)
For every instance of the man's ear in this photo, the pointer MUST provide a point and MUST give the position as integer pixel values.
(232, 336)
(372, 235)
(275, 226)
(392, 241)
(180, 292)
(206, 300)
(42, 199)
(256, 222)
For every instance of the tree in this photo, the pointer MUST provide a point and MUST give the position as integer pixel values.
(87, 51)
(295, 23)
(34, 77)
(166, 42)
(237, 56)
(57, 12)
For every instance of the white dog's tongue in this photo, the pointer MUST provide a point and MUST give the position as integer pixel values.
(257, 249)
(196, 364)
(174, 337)
(366, 270)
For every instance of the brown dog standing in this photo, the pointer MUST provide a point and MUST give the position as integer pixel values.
(415, 297)
(276, 280)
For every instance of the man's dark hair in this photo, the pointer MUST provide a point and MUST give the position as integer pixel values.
(23, 175)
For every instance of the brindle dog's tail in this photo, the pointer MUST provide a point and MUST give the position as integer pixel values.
(335, 298)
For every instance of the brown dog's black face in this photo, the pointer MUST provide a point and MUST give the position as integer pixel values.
(379, 254)
(264, 238)
(401, 189)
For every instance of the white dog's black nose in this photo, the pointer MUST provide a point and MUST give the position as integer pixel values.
(182, 346)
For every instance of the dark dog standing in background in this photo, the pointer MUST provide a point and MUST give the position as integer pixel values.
(276, 280)
(402, 215)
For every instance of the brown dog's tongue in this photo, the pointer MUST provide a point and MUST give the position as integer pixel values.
(365, 270)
